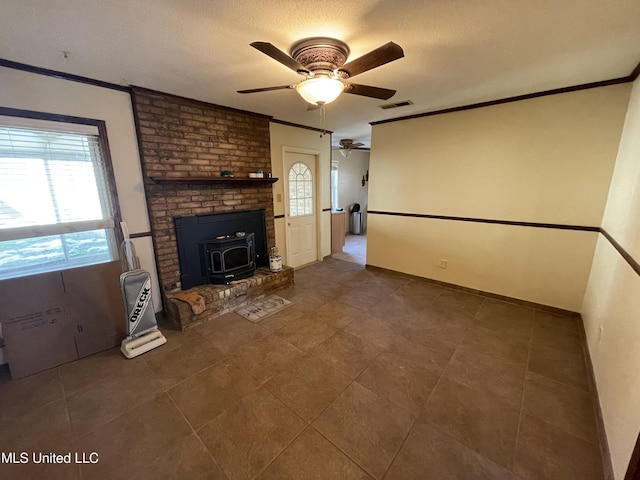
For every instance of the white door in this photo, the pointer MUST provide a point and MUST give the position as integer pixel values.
(300, 191)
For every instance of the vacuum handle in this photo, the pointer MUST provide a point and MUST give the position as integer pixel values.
(127, 245)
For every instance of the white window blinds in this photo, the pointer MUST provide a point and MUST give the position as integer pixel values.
(54, 199)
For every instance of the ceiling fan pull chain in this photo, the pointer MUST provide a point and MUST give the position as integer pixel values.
(323, 119)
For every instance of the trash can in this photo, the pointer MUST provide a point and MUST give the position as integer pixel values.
(357, 220)
(357, 223)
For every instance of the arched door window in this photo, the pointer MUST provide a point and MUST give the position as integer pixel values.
(300, 190)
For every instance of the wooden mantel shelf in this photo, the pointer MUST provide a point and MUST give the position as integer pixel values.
(213, 180)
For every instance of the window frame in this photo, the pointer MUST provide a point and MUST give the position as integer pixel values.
(103, 142)
(311, 186)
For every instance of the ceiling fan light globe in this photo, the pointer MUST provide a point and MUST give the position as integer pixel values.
(320, 91)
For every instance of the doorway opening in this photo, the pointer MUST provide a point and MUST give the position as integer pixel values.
(349, 197)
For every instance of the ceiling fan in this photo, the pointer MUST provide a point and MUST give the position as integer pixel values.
(346, 145)
(321, 61)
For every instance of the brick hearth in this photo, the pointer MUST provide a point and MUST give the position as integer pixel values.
(221, 299)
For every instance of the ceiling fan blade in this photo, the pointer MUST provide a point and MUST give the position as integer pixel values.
(381, 55)
(367, 91)
(278, 55)
(266, 89)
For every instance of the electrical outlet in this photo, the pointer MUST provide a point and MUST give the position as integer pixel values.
(278, 197)
(443, 264)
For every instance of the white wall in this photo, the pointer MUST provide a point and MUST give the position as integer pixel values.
(301, 139)
(542, 160)
(350, 189)
(611, 309)
(29, 91)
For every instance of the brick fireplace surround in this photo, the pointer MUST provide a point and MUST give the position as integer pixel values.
(180, 137)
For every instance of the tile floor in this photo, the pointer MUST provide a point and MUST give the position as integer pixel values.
(354, 250)
(369, 375)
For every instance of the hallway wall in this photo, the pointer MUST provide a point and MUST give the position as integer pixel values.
(611, 308)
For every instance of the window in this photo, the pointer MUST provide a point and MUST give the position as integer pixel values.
(56, 211)
(334, 184)
(300, 190)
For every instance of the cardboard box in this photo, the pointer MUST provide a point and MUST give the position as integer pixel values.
(57, 317)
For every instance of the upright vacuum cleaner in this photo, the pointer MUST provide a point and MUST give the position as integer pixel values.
(142, 330)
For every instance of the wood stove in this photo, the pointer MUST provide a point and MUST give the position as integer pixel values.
(228, 257)
(200, 236)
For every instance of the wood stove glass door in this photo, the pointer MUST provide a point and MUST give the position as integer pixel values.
(302, 215)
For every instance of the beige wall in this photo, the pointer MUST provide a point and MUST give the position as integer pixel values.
(611, 309)
(286, 137)
(40, 93)
(543, 160)
(350, 189)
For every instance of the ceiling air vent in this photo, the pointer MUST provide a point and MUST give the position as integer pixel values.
(404, 103)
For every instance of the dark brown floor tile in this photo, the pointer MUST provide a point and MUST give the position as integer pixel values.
(266, 357)
(562, 339)
(357, 277)
(513, 320)
(48, 471)
(439, 311)
(367, 427)
(377, 329)
(102, 402)
(397, 308)
(346, 353)
(466, 302)
(188, 459)
(283, 317)
(498, 309)
(304, 299)
(400, 381)
(172, 366)
(429, 354)
(363, 299)
(496, 344)
(565, 367)
(436, 326)
(320, 286)
(568, 408)
(338, 314)
(430, 454)
(545, 452)
(420, 290)
(308, 386)
(107, 365)
(391, 279)
(231, 331)
(246, 438)
(559, 321)
(42, 429)
(475, 417)
(18, 397)
(134, 440)
(205, 395)
(174, 337)
(499, 377)
(312, 457)
(306, 332)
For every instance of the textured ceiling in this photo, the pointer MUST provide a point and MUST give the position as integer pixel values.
(457, 52)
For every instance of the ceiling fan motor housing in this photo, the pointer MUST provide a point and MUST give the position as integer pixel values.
(320, 55)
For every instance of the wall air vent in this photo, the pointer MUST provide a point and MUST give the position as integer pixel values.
(404, 103)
